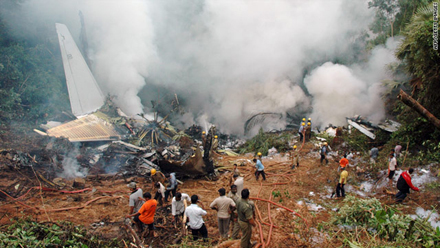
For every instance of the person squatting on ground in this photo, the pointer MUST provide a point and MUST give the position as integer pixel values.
(404, 184)
(324, 152)
(235, 226)
(259, 169)
(157, 176)
(224, 206)
(374, 153)
(195, 214)
(160, 193)
(172, 185)
(392, 163)
(178, 206)
(245, 219)
(340, 191)
(145, 215)
(295, 157)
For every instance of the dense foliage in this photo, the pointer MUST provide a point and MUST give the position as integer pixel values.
(262, 142)
(32, 83)
(391, 17)
(422, 62)
(384, 224)
(28, 233)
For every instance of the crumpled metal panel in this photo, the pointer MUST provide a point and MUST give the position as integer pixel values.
(87, 128)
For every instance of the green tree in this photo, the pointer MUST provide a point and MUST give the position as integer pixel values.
(391, 17)
(422, 62)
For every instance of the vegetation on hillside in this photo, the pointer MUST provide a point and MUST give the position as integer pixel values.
(262, 142)
(29, 233)
(382, 226)
(32, 84)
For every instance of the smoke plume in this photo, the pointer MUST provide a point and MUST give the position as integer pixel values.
(227, 60)
(341, 91)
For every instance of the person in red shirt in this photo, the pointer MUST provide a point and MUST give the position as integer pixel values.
(145, 215)
(343, 162)
(404, 184)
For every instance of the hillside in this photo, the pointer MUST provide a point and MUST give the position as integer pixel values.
(101, 204)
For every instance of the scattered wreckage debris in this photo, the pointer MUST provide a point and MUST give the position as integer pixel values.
(362, 128)
(368, 128)
(155, 143)
(258, 119)
(85, 129)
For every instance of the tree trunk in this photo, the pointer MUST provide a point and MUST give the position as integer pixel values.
(409, 101)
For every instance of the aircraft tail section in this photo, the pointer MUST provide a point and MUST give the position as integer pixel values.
(84, 92)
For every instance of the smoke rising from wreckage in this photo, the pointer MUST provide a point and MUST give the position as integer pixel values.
(154, 143)
(267, 84)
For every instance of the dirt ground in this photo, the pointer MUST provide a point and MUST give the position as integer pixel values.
(103, 206)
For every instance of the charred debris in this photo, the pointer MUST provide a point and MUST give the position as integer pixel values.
(107, 143)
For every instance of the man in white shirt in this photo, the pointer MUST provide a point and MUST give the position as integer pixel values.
(134, 203)
(195, 214)
(160, 193)
(224, 206)
(239, 181)
(391, 168)
(178, 207)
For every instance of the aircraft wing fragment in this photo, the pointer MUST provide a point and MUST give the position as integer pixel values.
(87, 128)
(361, 129)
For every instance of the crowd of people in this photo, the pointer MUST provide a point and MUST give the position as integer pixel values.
(235, 211)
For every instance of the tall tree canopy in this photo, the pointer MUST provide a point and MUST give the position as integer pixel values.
(32, 82)
(422, 62)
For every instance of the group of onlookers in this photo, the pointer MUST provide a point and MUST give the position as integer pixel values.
(233, 209)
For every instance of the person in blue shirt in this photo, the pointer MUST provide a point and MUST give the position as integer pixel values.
(260, 169)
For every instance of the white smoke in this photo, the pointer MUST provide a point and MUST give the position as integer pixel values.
(71, 167)
(227, 60)
(121, 35)
(340, 91)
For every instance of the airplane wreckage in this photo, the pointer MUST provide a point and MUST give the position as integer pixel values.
(149, 144)
(368, 128)
(138, 142)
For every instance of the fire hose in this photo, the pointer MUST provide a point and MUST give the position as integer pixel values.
(61, 191)
(261, 219)
(276, 204)
(270, 219)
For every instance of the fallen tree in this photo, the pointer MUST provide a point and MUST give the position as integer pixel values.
(412, 103)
